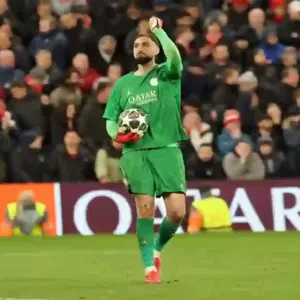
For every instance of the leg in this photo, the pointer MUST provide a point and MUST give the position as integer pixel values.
(139, 181)
(144, 229)
(175, 205)
(169, 177)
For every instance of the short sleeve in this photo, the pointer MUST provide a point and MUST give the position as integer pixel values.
(113, 107)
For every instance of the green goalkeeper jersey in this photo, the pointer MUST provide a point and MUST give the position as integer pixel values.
(158, 94)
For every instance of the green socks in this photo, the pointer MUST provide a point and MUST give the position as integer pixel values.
(166, 231)
(145, 235)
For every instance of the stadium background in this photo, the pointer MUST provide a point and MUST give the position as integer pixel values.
(229, 64)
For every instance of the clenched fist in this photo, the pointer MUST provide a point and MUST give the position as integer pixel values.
(155, 23)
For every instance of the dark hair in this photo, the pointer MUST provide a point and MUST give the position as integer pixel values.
(150, 36)
(205, 188)
(228, 72)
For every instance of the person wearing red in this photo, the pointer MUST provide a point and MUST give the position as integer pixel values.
(87, 75)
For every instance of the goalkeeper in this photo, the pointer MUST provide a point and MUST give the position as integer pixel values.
(152, 164)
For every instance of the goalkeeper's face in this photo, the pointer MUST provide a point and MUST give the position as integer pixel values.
(145, 50)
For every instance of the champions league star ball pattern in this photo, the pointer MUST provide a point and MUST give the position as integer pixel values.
(134, 120)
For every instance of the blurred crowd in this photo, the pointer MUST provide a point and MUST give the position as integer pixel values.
(240, 98)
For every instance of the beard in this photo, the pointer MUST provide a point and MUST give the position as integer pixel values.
(143, 60)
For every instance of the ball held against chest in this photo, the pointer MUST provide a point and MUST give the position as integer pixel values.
(134, 120)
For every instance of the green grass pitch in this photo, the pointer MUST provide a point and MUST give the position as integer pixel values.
(224, 266)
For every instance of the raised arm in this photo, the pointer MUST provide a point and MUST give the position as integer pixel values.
(174, 62)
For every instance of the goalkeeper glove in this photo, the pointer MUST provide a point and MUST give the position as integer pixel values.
(155, 23)
(129, 137)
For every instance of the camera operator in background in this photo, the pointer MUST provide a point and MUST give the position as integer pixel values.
(209, 214)
(26, 216)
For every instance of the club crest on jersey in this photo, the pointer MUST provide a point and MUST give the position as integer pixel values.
(154, 81)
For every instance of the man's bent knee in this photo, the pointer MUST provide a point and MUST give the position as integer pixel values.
(176, 216)
(144, 206)
(176, 207)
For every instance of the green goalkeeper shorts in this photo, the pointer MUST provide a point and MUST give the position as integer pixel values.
(154, 171)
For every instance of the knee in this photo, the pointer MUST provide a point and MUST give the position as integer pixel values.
(176, 215)
(146, 211)
(145, 206)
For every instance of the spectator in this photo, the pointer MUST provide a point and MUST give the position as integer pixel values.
(271, 46)
(263, 70)
(82, 14)
(196, 82)
(287, 88)
(243, 163)
(7, 14)
(106, 53)
(213, 35)
(107, 164)
(184, 38)
(23, 10)
(271, 158)
(8, 122)
(80, 39)
(51, 39)
(267, 129)
(8, 71)
(63, 7)
(71, 162)
(288, 31)
(199, 132)
(114, 72)
(22, 58)
(91, 127)
(227, 93)
(194, 9)
(66, 101)
(248, 100)
(29, 160)
(44, 12)
(27, 108)
(204, 164)
(250, 35)
(6, 27)
(108, 17)
(221, 18)
(87, 75)
(291, 135)
(277, 10)
(288, 59)
(35, 80)
(231, 133)
(43, 61)
(220, 61)
(237, 13)
(161, 9)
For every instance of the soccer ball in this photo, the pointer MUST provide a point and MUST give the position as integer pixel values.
(134, 120)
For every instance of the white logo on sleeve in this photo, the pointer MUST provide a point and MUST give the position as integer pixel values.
(154, 81)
